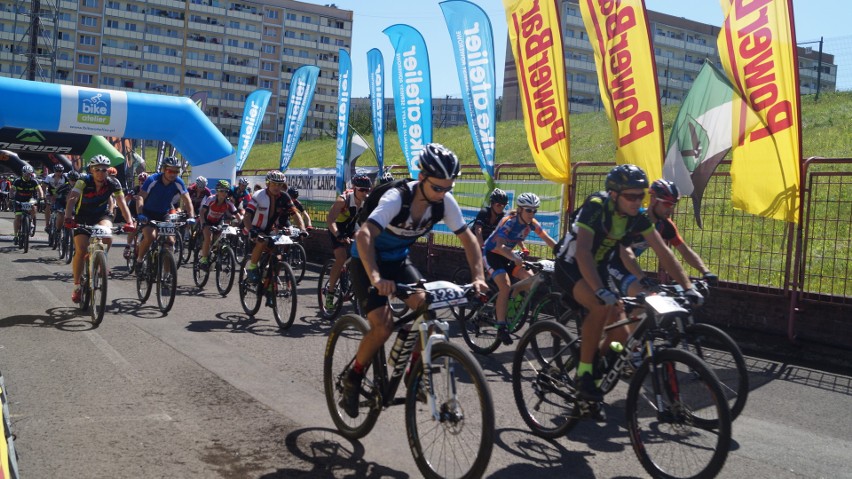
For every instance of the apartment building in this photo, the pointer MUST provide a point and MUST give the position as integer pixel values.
(180, 47)
(680, 47)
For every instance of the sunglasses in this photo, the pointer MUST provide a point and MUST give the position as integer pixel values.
(530, 210)
(439, 189)
(633, 196)
(100, 170)
(170, 170)
(667, 203)
(363, 190)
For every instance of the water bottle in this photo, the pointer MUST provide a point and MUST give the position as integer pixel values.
(399, 344)
(615, 350)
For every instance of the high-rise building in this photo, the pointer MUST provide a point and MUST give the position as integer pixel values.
(680, 47)
(180, 47)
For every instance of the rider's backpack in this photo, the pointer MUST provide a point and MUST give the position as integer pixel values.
(407, 196)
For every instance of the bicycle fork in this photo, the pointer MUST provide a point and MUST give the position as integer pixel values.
(426, 357)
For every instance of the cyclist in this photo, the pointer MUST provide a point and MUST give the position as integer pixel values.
(267, 208)
(90, 203)
(585, 251)
(382, 244)
(51, 183)
(240, 194)
(130, 199)
(213, 211)
(488, 218)
(625, 271)
(341, 228)
(61, 196)
(199, 192)
(5, 186)
(501, 260)
(154, 202)
(24, 189)
(306, 218)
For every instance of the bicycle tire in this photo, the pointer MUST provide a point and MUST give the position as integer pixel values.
(166, 282)
(462, 434)
(143, 279)
(342, 344)
(63, 243)
(721, 353)
(98, 288)
(199, 274)
(479, 329)
(703, 425)
(226, 267)
(69, 255)
(249, 293)
(322, 284)
(298, 260)
(284, 296)
(25, 237)
(85, 292)
(543, 379)
(179, 251)
(33, 225)
(187, 245)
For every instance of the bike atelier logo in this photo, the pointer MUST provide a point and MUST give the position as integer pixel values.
(30, 136)
(93, 108)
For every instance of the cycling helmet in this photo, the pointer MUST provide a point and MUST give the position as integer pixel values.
(99, 160)
(223, 185)
(361, 181)
(244, 181)
(499, 196)
(201, 182)
(27, 170)
(439, 162)
(275, 176)
(527, 200)
(170, 162)
(293, 192)
(111, 171)
(73, 176)
(59, 169)
(386, 178)
(665, 190)
(626, 177)
(142, 177)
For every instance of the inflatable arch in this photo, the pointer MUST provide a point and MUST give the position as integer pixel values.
(93, 111)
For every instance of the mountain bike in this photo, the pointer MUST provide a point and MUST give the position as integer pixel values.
(342, 292)
(277, 281)
(449, 413)
(54, 229)
(159, 266)
(221, 259)
(295, 254)
(678, 420)
(187, 242)
(93, 284)
(27, 229)
(66, 244)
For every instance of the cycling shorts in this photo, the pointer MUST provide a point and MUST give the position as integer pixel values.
(336, 243)
(497, 264)
(401, 271)
(90, 220)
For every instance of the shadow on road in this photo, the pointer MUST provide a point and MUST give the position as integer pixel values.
(64, 318)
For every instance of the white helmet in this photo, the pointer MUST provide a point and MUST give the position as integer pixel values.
(27, 170)
(528, 200)
(201, 182)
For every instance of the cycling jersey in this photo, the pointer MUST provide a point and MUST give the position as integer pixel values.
(667, 230)
(25, 190)
(61, 195)
(300, 209)
(159, 200)
(512, 231)
(216, 211)
(267, 211)
(94, 201)
(346, 220)
(4, 186)
(240, 198)
(52, 183)
(483, 220)
(197, 196)
(395, 239)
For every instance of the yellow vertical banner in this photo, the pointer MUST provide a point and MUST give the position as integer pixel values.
(627, 78)
(757, 45)
(536, 38)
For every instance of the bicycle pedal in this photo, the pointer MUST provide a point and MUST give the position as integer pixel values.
(592, 410)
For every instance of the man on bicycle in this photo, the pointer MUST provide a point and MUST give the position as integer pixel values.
(90, 203)
(501, 260)
(130, 199)
(341, 228)
(60, 199)
(240, 195)
(214, 209)
(5, 186)
(267, 208)
(489, 217)
(154, 202)
(306, 218)
(51, 183)
(626, 272)
(584, 253)
(198, 192)
(382, 244)
(24, 189)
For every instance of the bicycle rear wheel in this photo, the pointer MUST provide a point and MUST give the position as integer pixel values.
(99, 287)
(342, 344)
(226, 269)
(677, 417)
(166, 280)
(69, 253)
(479, 329)
(250, 293)
(199, 274)
(298, 260)
(322, 286)
(25, 236)
(284, 296)
(460, 443)
(543, 379)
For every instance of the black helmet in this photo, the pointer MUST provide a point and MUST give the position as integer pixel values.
(386, 178)
(438, 161)
(73, 175)
(59, 169)
(170, 162)
(665, 190)
(499, 196)
(361, 181)
(626, 177)
(293, 192)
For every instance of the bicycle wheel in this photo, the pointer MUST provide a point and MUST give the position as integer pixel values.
(199, 274)
(543, 379)
(51, 233)
(178, 254)
(677, 416)
(226, 267)
(63, 243)
(460, 443)
(343, 341)
(322, 285)
(479, 329)
(25, 237)
(33, 226)
(183, 253)
(85, 292)
(166, 280)
(144, 278)
(461, 276)
(298, 260)
(98, 287)
(249, 292)
(284, 296)
(548, 308)
(724, 357)
(69, 253)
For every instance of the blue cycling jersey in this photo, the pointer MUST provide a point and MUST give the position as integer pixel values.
(512, 230)
(159, 200)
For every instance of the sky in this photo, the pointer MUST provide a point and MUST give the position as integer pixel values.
(814, 18)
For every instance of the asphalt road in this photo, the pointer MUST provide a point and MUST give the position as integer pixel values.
(208, 392)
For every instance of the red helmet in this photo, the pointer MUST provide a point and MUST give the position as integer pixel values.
(665, 190)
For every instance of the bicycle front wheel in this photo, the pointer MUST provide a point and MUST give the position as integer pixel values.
(166, 280)
(340, 349)
(200, 275)
(284, 296)
(98, 287)
(542, 379)
(226, 267)
(298, 261)
(322, 287)
(677, 416)
(144, 279)
(25, 234)
(479, 329)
